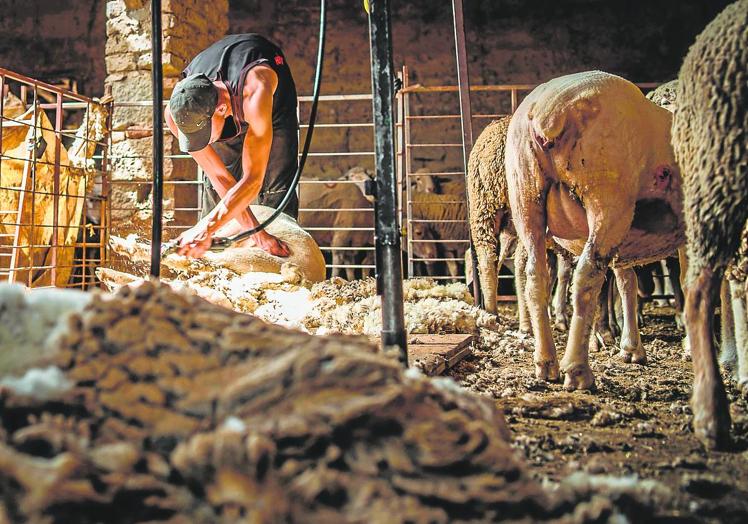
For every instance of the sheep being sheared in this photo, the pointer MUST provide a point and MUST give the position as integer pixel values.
(589, 161)
(709, 138)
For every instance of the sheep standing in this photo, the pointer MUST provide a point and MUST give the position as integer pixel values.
(489, 207)
(445, 216)
(492, 229)
(589, 161)
(343, 219)
(709, 138)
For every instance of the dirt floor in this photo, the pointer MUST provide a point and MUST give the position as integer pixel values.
(636, 422)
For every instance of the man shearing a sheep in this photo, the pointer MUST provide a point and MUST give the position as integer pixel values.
(234, 112)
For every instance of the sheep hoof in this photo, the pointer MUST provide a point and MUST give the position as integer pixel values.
(743, 386)
(547, 370)
(578, 376)
(712, 430)
(728, 358)
(635, 355)
(561, 325)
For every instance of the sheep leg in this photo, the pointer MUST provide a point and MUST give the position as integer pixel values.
(536, 301)
(711, 415)
(453, 267)
(339, 260)
(588, 279)
(564, 272)
(659, 284)
(632, 349)
(683, 263)
(487, 272)
(740, 317)
(674, 272)
(728, 348)
(710, 407)
(520, 284)
(602, 319)
(507, 244)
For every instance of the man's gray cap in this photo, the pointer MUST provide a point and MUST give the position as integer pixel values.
(192, 105)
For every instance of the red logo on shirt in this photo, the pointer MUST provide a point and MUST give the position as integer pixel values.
(278, 60)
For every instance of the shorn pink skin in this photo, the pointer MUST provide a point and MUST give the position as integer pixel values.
(589, 162)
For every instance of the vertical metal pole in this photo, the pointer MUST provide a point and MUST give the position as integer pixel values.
(106, 209)
(56, 188)
(466, 119)
(387, 230)
(408, 171)
(158, 137)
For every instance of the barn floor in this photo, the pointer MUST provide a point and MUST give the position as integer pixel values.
(635, 423)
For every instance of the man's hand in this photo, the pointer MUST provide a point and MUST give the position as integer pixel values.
(269, 243)
(194, 242)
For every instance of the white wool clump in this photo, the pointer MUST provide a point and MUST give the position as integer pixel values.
(234, 424)
(31, 320)
(645, 490)
(41, 384)
(445, 316)
(285, 308)
(448, 384)
(439, 313)
(420, 288)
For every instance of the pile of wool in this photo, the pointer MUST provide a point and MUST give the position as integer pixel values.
(278, 298)
(354, 308)
(182, 411)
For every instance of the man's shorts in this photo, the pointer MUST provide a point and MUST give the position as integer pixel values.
(281, 169)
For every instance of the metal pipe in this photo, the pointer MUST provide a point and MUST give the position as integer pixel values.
(463, 81)
(389, 260)
(158, 138)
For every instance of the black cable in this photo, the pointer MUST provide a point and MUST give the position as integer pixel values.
(223, 242)
(158, 138)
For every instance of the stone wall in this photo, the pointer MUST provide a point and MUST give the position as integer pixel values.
(55, 39)
(188, 26)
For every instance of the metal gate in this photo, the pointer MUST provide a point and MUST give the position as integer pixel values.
(54, 182)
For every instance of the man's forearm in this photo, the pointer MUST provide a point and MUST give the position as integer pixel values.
(235, 204)
(222, 182)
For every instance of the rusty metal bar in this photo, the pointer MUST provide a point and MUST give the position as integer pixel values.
(405, 94)
(56, 187)
(38, 83)
(463, 80)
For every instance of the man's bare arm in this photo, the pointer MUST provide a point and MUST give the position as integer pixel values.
(216, 171)
(258, 111)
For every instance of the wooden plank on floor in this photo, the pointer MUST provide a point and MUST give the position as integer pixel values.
(435, 354)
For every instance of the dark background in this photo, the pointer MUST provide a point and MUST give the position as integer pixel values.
(509, 41)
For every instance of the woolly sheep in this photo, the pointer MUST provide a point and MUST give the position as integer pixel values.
(709, 139)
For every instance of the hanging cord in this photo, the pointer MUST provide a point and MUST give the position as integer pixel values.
(221, 243)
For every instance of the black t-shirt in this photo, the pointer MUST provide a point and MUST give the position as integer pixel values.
(230, 59)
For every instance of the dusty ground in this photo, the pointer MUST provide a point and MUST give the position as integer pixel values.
(635, 423)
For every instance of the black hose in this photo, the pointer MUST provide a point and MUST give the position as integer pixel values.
(220, 243)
